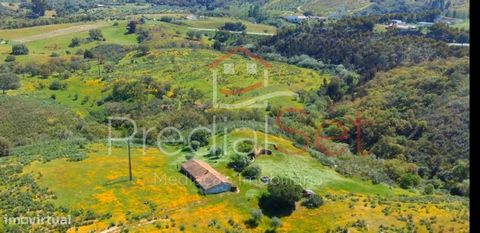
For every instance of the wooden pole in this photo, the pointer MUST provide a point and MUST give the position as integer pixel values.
(129, 161)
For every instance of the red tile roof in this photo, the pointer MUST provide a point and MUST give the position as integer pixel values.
(203, 174)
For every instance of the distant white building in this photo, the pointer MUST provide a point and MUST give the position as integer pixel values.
(301, 18)
(399, 24)
(191, 17)
(396, 21)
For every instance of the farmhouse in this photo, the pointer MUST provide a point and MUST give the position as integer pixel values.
(208, 179)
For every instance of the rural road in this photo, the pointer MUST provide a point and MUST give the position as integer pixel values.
(249, 33)
(60, 32)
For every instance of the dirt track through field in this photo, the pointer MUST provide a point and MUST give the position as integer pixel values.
(60, 32)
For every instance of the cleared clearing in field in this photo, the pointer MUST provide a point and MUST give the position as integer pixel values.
(60, 32)
(321, 7)
(217, 22)
(43, 32)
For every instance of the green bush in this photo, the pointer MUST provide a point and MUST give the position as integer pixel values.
(75, 42)
(230, 26)
(276, 223)
(285, 191)
(256, 216)
(19, 49)
(9, 81)
(313, 201)
(166, 19)
(132, 27)
(215, 152)
(428, 189)
(239, 162)
(96, 34)
(252, 172)
(195, 144)
(5, 147)
(10, 58)
(57, 85)
(88, 54)
(245, 146)
(409, 181)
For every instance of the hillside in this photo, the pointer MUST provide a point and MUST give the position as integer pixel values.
(226, 116)
(19, 116)
(110, 201)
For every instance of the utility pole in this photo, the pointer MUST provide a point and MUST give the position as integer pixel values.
(129, 161)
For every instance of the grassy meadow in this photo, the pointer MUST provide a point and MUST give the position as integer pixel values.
(100, 183)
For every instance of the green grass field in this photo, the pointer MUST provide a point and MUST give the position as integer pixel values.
(40, 49)
(217, 22)
(25, 120)
(104, 185)
(463, 25)
(320, 7)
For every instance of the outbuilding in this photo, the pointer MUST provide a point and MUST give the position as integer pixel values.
(207, 179)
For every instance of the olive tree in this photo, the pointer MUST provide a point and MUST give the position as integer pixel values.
(9, 81)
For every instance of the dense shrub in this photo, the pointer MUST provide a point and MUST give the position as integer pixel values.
(428, 189)
(10, 58)
(285, 191)
(239, 162)
(313, 201)
(87, 54)
(276, 223)
(57, 85)
(95, 34)
(20, 49)
(252, 172)
(9, 81)
(238, 26)
(132, 27)
(246, 146)
(215, 152)
(409, 181)
(75, 42)
(256, 216)
(108, 52)
(166, 19)
(5, 146)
